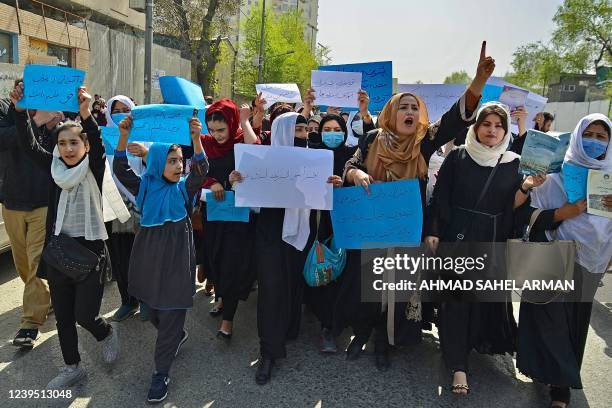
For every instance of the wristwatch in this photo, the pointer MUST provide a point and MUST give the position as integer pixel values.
(526, 192)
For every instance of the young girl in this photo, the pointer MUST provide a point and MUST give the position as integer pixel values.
(282, 240)
(227, 245)
(456, 208)
(77, 166)
(553, 334)
(162, 266)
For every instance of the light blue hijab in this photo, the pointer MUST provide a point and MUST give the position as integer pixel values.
(159, 200)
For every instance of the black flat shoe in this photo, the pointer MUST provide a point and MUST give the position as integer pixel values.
(224, 335)
(354, 349)
(216, 311)
(264, 371)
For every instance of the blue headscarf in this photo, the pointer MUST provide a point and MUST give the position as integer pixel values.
(159, 200)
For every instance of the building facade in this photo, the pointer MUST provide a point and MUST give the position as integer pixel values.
(577, 88)
(103, 38)
(309, 9)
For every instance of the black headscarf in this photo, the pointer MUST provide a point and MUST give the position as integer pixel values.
(342, 153)
(341, 122)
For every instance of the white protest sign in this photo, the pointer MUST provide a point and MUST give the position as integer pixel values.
(283, 177)
(339, 89)
(534, 104)
(273, 93)
(438, 98)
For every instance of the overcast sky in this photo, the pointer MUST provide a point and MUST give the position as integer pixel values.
(427, 40)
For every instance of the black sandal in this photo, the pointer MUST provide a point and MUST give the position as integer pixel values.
(559, 394)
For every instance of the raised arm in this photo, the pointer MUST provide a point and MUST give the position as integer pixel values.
(249, 135)
(463, 113)
(199, 163)
(121, 167)
(25, 134)
(97, 154)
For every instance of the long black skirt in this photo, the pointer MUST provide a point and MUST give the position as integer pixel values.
(228, 248)
(280, 284)
(552, 336)
(488, 328)
(351, 311)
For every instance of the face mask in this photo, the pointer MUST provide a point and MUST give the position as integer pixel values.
(314, 138)
(297, 142)
(357, 127)
(332, 139)
(594, 148)
(118, 117)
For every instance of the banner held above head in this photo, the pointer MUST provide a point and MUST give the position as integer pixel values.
(180, 91)
(51, 88)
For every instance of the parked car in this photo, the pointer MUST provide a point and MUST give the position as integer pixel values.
(5, 244)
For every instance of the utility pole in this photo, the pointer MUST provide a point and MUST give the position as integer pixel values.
(148, 50)
(261, 44)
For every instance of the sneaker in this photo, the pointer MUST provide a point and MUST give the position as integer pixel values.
(328, 345)
(110, 346)
(124, 312)
(67, 377)
(159, 388)
(25, 338)
(144, 312)
(183, 340)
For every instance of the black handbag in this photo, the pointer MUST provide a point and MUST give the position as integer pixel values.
(456, 246)
(68, 256)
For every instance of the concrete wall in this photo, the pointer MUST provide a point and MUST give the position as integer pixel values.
(567, 114)
(8, 74)
(117, 63)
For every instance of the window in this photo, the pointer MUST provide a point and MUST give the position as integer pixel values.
(569, 88)
(61, 53)
(6, 48)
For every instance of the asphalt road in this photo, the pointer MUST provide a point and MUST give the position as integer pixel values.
(211, 373)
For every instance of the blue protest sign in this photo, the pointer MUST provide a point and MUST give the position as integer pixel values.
(164, 123)
(390, 216)
(574, 181)
(376, 80)
(51, 88)
(110, 138)
(180, 91)
(225, 210)
(491, 93)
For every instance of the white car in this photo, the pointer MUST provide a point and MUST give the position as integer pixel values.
(5, 244)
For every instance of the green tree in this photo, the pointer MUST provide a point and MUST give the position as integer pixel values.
(283, 33)
(584, 28)
(581, 41)
(458, 77)
(535, 66)
(195, 23)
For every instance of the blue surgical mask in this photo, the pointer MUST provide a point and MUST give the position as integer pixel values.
(118, 117)
(594, 148)
(332, 139)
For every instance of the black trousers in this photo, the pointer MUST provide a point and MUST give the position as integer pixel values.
(76, 302)
(120, 249)
(230, 305)
(169, 325)
(279, 306)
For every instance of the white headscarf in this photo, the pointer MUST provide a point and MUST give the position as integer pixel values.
(488, 156)
(79, 210)
(296, 224)
(135, 162)
(109, 106)
(592, 233)
(351, 139)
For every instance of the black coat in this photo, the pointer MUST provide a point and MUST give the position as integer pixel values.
(25, 185)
